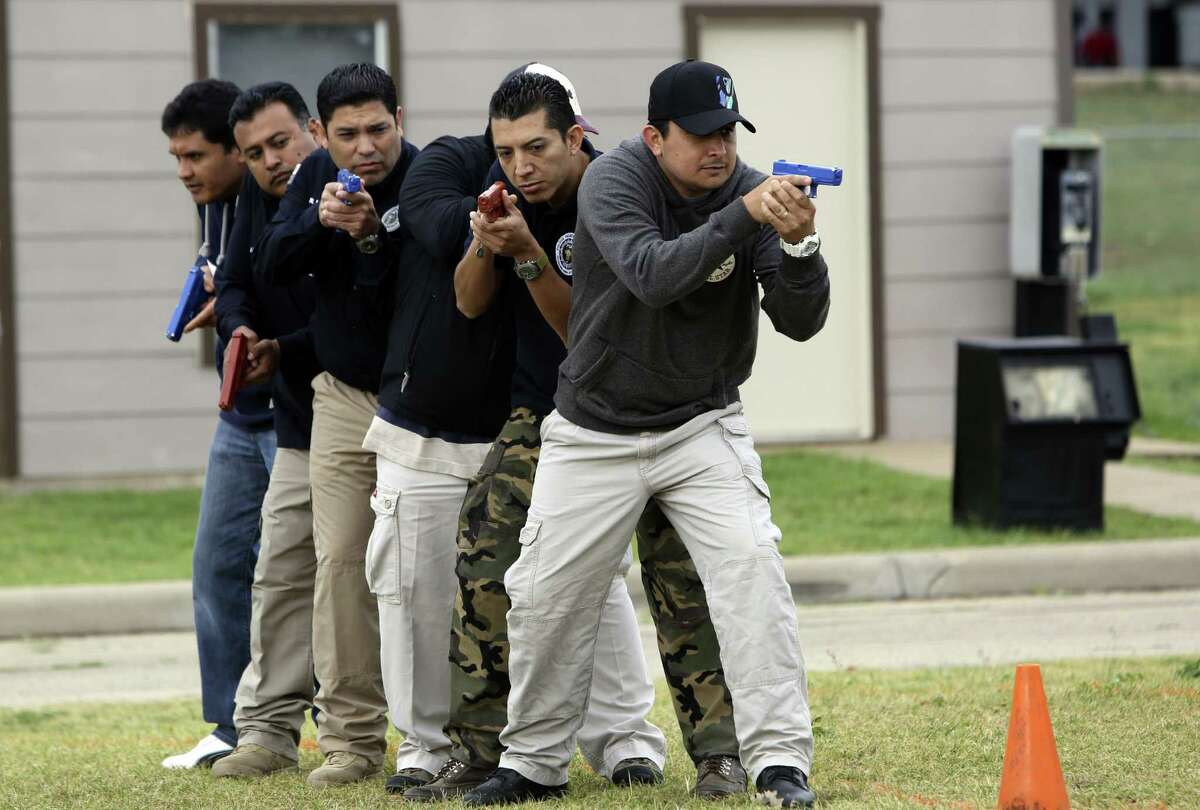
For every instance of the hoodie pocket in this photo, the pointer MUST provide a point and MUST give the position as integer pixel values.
(616, 385)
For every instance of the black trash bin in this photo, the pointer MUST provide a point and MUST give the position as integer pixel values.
(1035, 420)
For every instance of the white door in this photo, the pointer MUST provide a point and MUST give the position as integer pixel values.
(803, 82)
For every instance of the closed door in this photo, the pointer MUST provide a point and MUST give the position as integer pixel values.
(803, 82)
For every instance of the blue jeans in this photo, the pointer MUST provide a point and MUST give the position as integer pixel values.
(239, 468)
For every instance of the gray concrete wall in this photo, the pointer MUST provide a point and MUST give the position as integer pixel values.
(98, 269)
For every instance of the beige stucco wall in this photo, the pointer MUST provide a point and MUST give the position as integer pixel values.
(103, 231)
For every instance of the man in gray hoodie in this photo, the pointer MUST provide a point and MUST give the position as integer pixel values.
(674, 238)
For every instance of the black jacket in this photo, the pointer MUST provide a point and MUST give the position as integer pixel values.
(252, 405)
(355, 292)
(272, 312)
(446, 375)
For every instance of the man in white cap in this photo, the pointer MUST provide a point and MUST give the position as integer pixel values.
(678, 245)
(519, 266)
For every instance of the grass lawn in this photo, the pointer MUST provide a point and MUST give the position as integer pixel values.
(1150, 277)
(824, 504)
(1126, 731)
(93, 537)
(1175, 464)
(829, 505)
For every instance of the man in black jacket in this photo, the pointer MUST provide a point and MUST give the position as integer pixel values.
(271, 124)
(196, 123)
(443, 396)
(350, 244)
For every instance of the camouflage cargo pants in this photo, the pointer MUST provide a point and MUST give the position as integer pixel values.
(490, 523)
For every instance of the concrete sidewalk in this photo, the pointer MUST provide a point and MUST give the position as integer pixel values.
(1141, 565)
(928, 633)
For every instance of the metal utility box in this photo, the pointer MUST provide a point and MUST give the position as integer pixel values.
(1054, 229)
(1035, 420)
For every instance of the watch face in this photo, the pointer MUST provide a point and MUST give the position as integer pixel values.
(368, 244)
(528, 270)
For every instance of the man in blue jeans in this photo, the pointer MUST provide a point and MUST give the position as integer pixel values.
(196, 123)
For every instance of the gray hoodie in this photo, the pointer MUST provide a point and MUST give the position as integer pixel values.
(665, 299)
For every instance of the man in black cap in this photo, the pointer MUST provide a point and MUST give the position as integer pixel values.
(673, 240)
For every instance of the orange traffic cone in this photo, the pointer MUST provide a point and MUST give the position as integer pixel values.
(1033, 778)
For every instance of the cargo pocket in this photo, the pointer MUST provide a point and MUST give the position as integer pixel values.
(758, 495)
(383, 564)
(520, 577)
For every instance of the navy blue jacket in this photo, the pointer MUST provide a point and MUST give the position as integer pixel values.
(252, 406)
(446, 375)
(272, 312)
(355, 291)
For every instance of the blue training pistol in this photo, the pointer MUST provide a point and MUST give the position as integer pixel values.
(350, 181)
(821, 176)
(191, 299)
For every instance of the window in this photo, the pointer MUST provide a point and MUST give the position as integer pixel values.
(296, 44)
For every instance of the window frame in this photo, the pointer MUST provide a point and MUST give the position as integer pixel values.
(267, 14)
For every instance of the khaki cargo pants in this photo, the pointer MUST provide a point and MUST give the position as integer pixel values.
(345, 617)
(590, 490)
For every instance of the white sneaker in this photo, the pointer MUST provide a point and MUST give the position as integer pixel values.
(206, 752)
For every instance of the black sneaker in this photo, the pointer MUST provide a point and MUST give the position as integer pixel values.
(453, 780)
(506, 786)
(719, 776)
(782, 786)
(406, 778)
(637, 771)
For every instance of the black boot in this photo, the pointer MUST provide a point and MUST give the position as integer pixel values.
(636, 771)
(781, 786)
(506, 786)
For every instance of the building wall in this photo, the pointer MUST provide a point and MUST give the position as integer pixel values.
(98, 269)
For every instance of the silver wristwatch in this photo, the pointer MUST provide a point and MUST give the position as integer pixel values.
(802, 249)
(368, 244)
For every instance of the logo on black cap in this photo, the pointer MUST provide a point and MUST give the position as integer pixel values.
(725, 91)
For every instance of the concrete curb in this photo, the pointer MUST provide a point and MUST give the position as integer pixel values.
(1146, 565)
(94, 610)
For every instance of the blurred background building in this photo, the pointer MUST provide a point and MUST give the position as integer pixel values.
(916, 99)
(1136, 34)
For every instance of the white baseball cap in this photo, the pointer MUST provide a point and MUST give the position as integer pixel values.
(546, 70)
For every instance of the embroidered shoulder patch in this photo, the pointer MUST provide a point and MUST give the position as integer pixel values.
(564, 253)
(722, 272)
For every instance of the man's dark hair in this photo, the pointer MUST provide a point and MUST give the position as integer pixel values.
(202, 107)
(254, 100)
(356, 83)
(662, 126)
(524, 93)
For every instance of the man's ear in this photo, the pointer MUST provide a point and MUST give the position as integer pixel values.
(400, 121)
(653, 139)
(318, 132)
(574, 139)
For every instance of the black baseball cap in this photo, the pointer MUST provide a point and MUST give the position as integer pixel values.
(697, 96)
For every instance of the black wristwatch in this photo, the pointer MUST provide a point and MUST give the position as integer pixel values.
(368, 244)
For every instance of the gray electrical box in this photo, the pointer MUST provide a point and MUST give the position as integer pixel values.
(1055, 204)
